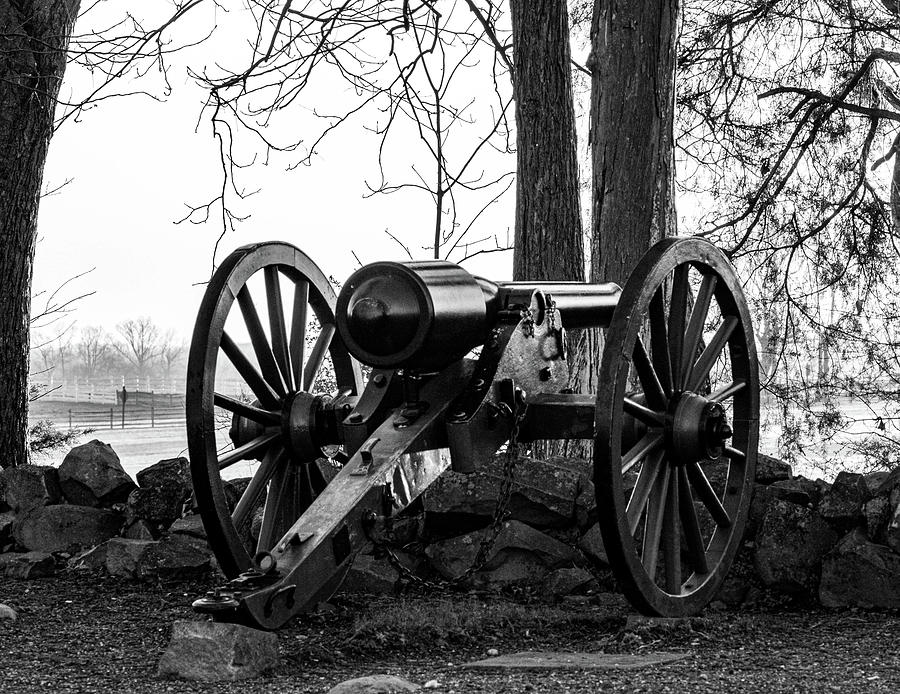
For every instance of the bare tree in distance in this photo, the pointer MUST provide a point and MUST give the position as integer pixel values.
(94, 348)
(140, 344)
(171, 349)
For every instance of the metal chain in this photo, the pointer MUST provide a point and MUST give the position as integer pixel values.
(496, 526)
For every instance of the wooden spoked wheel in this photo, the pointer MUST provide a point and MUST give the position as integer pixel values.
(268, 398)
(677, 427)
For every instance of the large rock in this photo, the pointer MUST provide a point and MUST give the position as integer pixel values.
(27, 565)
(569, 581)
(769, 469)
(799, 490)
(91, 475)
(28, 487)
(374, 684)
(519, 554)
(163, 490)
(370, 575)
(790, 545)
(842, 504)
(170, 559)
(877, 514)
(65, 528)
(892, 530)
(859, 573)
(544, 492)
(591, 544)
(216, 651)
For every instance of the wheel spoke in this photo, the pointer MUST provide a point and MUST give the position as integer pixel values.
(672, 538)
(246, 451)
(656, 508)
(697, 373)
(282, 507)
(298, 330)
(734, 453)
(277, 328)
(317, 356)
(650, 442)
(677, 317)
(244, 409)
(653, 389)
(659, 341)
(708, 495)
(262, 390)
(690, 524)
(727, 391)
(261, 347)
(644, 414)
(641, 492)
(695, 325)
(245, 505)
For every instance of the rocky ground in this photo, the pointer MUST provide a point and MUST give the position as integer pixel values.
(80, 632)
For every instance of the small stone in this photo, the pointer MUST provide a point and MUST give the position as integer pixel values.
(91, 475)
(27, 565)
(842, 504)
(799, 490)
(164, 489)
(216, 652)
(431, 684)
(7, 614)
(374, 684)
(492, 652)
(189, 525)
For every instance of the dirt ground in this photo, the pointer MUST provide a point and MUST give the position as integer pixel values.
(81, 633)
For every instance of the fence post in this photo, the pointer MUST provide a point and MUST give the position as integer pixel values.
(70, 419)
(152, 419)
(111, 426)
(123, 413)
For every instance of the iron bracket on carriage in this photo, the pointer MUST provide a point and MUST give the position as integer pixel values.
(456, 365)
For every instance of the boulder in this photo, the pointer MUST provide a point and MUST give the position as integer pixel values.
(790, 545)
(370, 575)
(7, 518)
(170, 559)
(139, 530)
(374, 684)
(874, 480)
(889, 483)
(27, 565)
(842, 504)
(234, 489)
(216, 651)
(163, 490)
(91, 475)
(28, 487)
(544, 492)
(769, 469)
(189, 525)
(65, 527)
(799, 490)
(591, 544)
(877, 515)
(520, 553)
(569, 581)
(892, 530)
(860, 573)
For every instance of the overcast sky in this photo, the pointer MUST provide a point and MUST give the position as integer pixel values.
(134, 164)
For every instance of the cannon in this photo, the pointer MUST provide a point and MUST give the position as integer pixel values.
(457, 368)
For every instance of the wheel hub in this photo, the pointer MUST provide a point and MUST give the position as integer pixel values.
(697, 429)
(301, 426)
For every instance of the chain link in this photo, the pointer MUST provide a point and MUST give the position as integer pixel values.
(495, 528)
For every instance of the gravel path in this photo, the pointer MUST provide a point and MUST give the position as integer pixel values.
(88, 634)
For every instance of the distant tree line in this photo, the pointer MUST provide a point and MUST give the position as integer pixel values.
(138, 348)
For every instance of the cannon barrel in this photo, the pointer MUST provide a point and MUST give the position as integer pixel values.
(426, 314)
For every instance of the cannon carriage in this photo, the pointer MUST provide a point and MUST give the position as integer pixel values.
(459, 367)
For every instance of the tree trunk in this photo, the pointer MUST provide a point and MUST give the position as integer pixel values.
(632, 65)
(34, 36)
(548, 235)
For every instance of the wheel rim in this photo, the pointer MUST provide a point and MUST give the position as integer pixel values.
(677, 427)
(281, 373)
